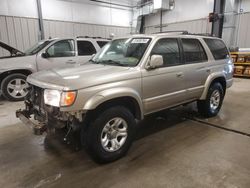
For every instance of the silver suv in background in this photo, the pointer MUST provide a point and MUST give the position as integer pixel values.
(128, 79)
(44, 55)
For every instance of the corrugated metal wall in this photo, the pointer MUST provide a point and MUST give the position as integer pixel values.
(22, 33)
(243, 34)
(18, 32)
(68, 29)
(192, 26)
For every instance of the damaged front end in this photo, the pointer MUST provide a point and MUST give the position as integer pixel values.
(44, 118)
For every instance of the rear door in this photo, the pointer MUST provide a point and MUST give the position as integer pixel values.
(86, 49)
(197, 66)
(102, 43)
(59, 54)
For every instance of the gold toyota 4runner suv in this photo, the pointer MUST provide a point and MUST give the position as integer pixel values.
(129, 78)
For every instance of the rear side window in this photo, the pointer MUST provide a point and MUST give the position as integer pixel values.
(218, 48)
(169, 49)
(193, 51)
(101, 43)
(85, 48)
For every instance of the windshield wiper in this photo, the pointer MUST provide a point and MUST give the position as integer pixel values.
(112, 62)
(92, 61)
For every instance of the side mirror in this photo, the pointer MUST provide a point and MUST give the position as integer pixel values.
(155, 62)
(45, 55)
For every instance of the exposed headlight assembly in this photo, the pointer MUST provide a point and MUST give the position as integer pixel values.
(59, 98)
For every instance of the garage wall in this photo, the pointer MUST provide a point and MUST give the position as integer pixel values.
(190, 15)
(85, 11)
(243, 34)
(236, 23)
(68, 29)
(18, 32)
(62, 18)
(193, 26)
(242, 37)
(22, 33)
(21, 8)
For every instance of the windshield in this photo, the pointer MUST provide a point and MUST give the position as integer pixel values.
(37, 47)
(122, 52)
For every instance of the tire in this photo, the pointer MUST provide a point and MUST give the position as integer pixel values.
(14, 87)
(101, 138)
(210, 107)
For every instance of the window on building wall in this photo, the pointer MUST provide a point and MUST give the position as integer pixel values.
(193, 51)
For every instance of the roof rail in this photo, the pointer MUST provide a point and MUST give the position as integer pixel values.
(93, 37)
(83, 37)
(177, 31)
(202, 34)
(186, 33)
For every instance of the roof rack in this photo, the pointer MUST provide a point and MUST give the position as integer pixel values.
(177, 31)
(186, 33)
(83, 37)
(92, 37)
(202, 34)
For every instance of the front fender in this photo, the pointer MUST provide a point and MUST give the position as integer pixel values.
(113, 93)
(209, 80)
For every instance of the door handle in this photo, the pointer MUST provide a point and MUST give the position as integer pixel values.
(179, 74)
(70, 62)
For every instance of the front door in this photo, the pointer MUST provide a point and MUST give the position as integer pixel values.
(165, 86)
(60, 54)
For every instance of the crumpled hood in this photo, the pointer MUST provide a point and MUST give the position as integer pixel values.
(82, 76)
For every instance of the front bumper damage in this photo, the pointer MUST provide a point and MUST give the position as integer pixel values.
(45, 118)
(25, 115)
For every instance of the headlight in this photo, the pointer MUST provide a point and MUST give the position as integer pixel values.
(59, 98)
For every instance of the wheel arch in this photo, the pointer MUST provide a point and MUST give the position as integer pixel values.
(9, 72)
(120, 96)
(220, 78)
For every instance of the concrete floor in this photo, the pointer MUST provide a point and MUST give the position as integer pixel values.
(170, 151)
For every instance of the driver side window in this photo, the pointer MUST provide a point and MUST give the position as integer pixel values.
(168, 48)
(63, 48)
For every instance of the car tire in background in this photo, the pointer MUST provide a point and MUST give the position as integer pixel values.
(110, 134)
(14, 87)
(210, 107)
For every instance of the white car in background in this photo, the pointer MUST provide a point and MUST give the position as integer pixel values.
(46, 54)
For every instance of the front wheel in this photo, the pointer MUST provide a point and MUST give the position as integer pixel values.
(14, 87)
(110, 135)
(211, 105)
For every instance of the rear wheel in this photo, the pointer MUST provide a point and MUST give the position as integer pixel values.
(14, 87)
(110, 135)
(211, 105)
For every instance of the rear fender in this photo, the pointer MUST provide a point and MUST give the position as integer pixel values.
(209, 80)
